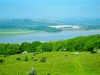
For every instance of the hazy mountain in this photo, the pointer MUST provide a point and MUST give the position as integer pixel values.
(28, 22)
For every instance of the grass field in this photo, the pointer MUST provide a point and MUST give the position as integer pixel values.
(14, 32)
(57, 63)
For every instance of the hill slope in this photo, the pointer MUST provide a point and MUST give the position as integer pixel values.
(57, 63)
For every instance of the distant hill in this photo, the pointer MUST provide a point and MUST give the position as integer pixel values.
(27, 22)
(86, 23)
(40, 25)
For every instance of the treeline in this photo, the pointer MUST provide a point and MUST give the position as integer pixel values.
(81, 43)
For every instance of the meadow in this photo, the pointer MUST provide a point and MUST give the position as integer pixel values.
(57, 63)
(14, 32)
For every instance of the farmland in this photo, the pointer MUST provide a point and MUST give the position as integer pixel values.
(57, 63)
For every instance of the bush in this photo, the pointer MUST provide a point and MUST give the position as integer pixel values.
(93, 52)
(32, 72)
(1, 60)
(66, 55)
(18, 59)
(48, 74)
(5, 55)
(34, 53)
(41, 51)
(25, 52)
(37, 52)
(26, 58)
(32, 57)
(43, 59)
(35, 59)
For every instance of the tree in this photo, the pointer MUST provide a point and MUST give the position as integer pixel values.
(13, 49)
(34, 45)
(2, 48)
(58, 45)
(25, 46)
(45, 47)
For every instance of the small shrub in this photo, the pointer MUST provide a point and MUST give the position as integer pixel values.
(98, 50)
(32, 57)
(43, 59)
(32, 72)
(5, 55)
(35, 59)
(93, 52)
(1, 60)
(41, 51)
(37, 52)
(34, 53)
(18, 59)
(48, 74)
(24, 53)
(26, 58)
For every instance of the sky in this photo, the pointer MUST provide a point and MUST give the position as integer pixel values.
(49, 8)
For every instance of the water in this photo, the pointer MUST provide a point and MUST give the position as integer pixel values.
(44, 36)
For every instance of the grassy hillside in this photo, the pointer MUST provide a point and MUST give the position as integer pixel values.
(57, 63)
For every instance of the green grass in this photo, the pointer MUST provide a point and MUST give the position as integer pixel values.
(57, 64)
(14, 32)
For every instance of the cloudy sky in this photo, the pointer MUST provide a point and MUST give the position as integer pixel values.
(49, 8)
